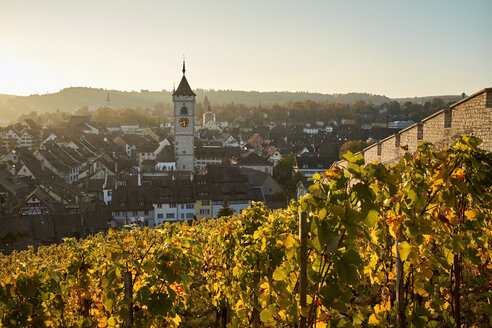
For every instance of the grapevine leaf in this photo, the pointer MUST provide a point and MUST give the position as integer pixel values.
(371, 218)
(405, 249)
(280, 274)
(267, 313)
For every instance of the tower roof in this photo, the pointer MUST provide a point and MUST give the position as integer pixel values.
(184, 88)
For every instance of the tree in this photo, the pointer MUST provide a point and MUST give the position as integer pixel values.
(296, 177)
(282, 172)
(206, 103)
(437, 103)
(225, 210)
(131, 116)
(280, 197)
(159, 109)
(353, 146)
(104, 115)
(82, 111)
(394, 108)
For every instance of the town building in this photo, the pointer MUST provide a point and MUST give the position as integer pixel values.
(184, 125)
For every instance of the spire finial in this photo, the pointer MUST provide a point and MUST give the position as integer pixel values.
(184, 69)
(174, 87)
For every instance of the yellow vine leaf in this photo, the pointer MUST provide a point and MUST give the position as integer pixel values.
(373, 320)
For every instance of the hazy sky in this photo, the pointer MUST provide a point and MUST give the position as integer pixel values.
(394, 48)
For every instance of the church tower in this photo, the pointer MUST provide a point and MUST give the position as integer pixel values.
(184, 122)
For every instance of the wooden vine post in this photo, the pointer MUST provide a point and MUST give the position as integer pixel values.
(128, 284)
(400, 304)
(303, 268)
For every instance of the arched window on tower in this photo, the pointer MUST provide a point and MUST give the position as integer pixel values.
(184, 110)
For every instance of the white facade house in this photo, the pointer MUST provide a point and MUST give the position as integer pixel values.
(212, 125)
(310, 130)
(165, 166)
(89, 129)
(51, 137)
(165, 212)
(237, 205)
(130, 129)
(275, 157)
(400, 125)
(230, 141)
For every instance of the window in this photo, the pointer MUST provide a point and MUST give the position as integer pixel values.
(204, 211)
(190, 215)
(169, 215)
(380, 150)
(146, 212)
(159, 205)
(160, 216)
(172, 205)
(184, 110)
(188, 206)
(205, 202)
(135, 213)
(182, 215)
(397, 140)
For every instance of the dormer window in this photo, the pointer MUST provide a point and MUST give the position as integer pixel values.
(184, 110)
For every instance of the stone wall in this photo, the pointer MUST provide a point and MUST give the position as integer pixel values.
(472, 115)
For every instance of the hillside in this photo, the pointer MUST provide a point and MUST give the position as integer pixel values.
(70, 99)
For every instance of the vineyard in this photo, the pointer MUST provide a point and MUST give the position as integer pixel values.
(404, 245)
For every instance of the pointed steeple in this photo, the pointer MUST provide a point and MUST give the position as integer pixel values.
(108, 102)
(184, 88)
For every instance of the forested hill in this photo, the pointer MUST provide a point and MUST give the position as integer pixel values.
(70, 99)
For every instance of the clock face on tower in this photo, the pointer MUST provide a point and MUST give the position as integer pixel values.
(184, 122)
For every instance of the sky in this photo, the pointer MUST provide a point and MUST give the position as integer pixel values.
(393, 48)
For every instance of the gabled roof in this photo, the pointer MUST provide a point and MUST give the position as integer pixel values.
(255, 177)
(184, 88)
(222, 182)
(166, 155)
(46, 199)
(132, 198)
(142, 143)
(252, 159)
(314, 162)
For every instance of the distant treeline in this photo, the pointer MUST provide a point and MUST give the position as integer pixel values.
(292, 112)
(71, 99)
